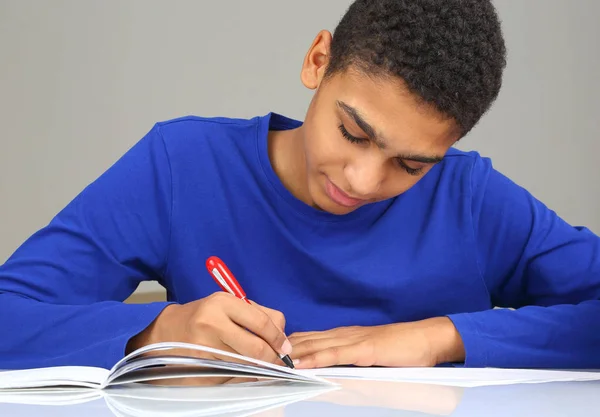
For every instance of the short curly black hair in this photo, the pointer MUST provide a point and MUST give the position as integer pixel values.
(449, 53)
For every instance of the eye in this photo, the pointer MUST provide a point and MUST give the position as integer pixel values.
(411, 171)
(349, 137)
(399, 162)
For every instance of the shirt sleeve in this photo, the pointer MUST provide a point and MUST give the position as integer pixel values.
(61, 291)
(543, 271)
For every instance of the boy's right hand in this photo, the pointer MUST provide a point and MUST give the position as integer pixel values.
(220, 321)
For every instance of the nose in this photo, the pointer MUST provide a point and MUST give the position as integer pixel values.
(365, 175)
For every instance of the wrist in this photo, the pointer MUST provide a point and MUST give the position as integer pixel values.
(153, 333)
(444, 340)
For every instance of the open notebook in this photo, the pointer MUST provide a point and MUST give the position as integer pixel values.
(138, 366)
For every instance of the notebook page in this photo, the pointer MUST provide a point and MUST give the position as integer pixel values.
(180, 366)
(82, 376)
(461, 377)
(165, 373)
(49, 396)
(176, 345)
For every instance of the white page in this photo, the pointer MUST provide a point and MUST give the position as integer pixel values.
(49, 396)
(144, 375)
(460, 377)
(83, 376)
(144, 370)
(233, 366)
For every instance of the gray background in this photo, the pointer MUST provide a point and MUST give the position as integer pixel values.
(82, 80)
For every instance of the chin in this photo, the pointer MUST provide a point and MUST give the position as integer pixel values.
(324, 203)
(337, 210)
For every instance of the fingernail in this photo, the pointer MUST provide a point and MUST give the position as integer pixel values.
(286, 349)
(296, 362)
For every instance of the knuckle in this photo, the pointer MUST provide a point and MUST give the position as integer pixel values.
(207, 315)
(280, 319)
(310, 361)
(335, 353)
(201, 315)
(219, 296)
(262, 322)
(204, 328)
(311, 344)
(215, 301)
(210, 300)
(212, 296)
(259, 350)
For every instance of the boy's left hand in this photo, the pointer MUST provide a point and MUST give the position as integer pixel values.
(423, 343)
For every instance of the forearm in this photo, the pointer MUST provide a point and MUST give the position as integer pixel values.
(444, 340)
(562, 336)
(37, 334)
(156, 331)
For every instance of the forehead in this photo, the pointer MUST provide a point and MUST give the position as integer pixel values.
(395, 113)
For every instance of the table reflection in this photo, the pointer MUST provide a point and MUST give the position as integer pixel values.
(287, 399)
(382, 399)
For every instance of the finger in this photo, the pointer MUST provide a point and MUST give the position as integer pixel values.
(310, 346)
(355, 354)
(276, 316)
(338, 332)
(248, 344)
(258, 322)
(296, 338)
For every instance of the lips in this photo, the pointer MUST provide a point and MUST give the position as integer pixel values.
(340, 197)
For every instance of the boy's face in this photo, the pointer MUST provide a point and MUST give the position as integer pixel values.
(366, 139)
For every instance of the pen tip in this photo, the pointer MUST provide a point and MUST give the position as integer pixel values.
(286, 359)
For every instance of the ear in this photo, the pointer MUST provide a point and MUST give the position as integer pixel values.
(316, 60)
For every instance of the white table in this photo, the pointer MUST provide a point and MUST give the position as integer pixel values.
(383, 399)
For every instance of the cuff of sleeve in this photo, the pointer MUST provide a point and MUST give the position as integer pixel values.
(475, 353)
(139, 316)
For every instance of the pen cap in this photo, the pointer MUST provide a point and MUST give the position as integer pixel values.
(223, 276)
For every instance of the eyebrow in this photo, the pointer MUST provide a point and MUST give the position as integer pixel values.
(372, 133)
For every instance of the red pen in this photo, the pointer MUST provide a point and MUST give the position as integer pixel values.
(223, 276)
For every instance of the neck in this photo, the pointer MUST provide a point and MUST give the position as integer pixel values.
(286, 153)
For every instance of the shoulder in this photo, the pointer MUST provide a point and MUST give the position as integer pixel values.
(197, 135)
(460, 172)
(183, 126)
(465, 160)
(476, 177)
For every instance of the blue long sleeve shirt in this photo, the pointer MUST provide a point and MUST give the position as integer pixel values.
(463, 240)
